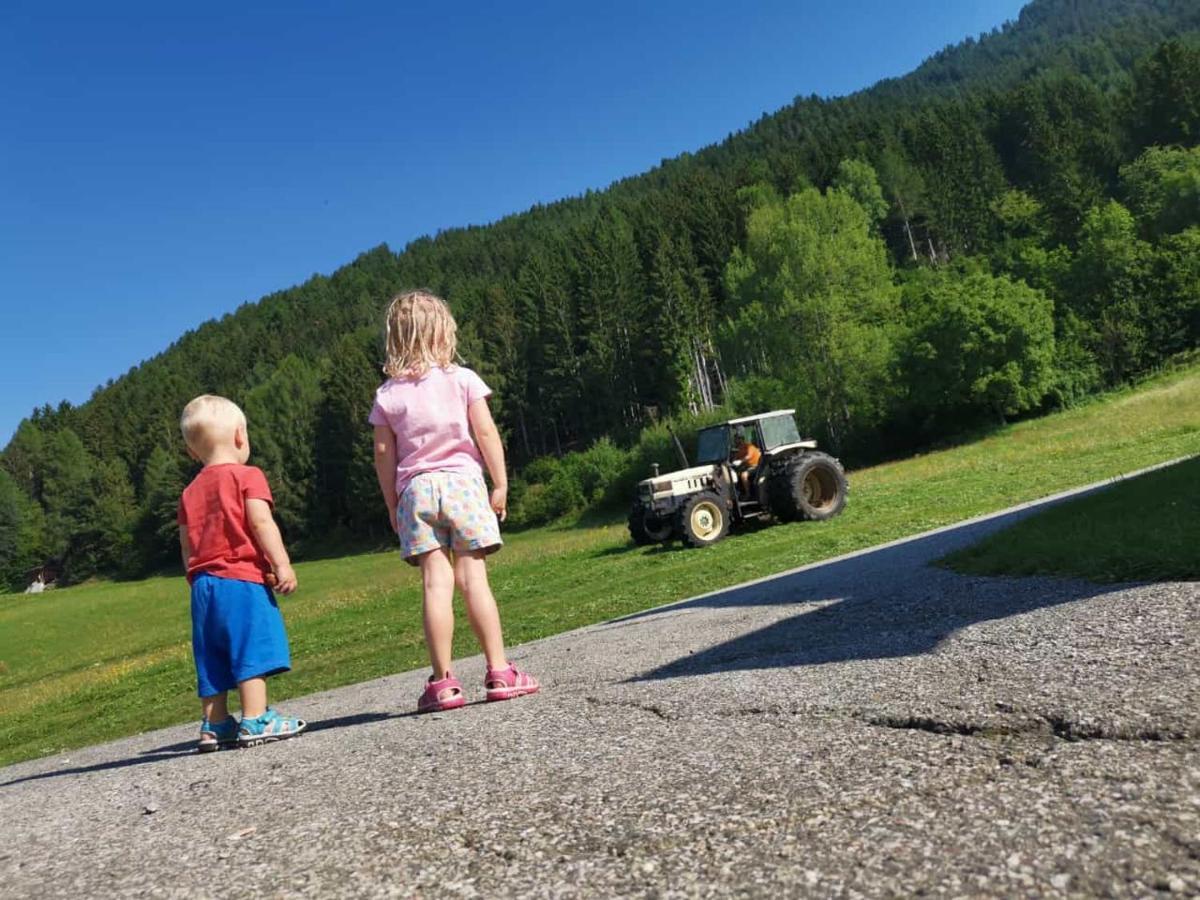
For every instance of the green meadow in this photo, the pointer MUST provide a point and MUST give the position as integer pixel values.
(109, 659)
(1143, 529)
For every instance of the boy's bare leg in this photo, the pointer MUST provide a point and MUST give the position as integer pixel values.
(253, 694)
(437, 576)
(470, 573)
(214, 708)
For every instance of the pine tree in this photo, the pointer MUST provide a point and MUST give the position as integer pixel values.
(157, 531)
(1165, 99)
(20, 534)
(347, 491)
(282, 416)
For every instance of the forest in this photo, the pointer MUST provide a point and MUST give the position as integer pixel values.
(1008, 229)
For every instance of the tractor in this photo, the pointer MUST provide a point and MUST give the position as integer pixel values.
(749, 469)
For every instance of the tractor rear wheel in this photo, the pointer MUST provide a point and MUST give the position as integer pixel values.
(811, 486)
(703, 519)
(647, 528)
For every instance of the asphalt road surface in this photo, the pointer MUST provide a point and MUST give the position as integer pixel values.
(869, 726)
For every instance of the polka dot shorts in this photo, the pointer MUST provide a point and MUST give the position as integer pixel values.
(446, 509)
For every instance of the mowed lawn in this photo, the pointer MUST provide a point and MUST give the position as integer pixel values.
(100, 661)
(1143, 529)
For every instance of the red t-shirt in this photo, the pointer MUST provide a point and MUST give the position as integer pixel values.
(213, 510)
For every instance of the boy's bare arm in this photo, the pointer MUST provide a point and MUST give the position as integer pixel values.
(266, 532)
(185, 546)
(491, 448)
(385, 469)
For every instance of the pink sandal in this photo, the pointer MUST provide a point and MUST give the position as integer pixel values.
(441, 695)
(505, 684)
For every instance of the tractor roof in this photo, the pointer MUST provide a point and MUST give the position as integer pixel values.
(766, 415)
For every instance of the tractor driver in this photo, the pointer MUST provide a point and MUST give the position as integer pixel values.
(746, 457)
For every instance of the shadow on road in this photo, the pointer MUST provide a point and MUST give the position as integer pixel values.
(172, 751)
(880, 604)
(188, 748)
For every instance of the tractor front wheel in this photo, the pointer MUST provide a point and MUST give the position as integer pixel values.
(647, 528)
(703, 520)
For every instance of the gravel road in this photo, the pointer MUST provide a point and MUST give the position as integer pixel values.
(869, 726)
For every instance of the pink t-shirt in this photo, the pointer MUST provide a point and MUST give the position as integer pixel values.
(428, 416)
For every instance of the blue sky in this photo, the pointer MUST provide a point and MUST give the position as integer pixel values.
(163, 163)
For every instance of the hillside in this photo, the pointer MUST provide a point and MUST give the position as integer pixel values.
(1006, 244)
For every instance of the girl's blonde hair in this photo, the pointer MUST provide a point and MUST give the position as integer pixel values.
(421, 333)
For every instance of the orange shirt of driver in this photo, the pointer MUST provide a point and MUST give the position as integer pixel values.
(749, 454)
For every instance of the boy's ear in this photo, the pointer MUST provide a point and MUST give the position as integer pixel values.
(239, 436)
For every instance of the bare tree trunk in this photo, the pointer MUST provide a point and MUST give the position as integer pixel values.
(627, 353)
(524, 432)
(702, 376)
(720, 378)
(912, 246)
(708, 387)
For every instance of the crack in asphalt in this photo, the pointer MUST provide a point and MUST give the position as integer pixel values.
(1036, 724)
(1040, 724)
(631, 704)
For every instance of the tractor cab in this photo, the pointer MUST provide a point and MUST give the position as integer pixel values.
(743, 449)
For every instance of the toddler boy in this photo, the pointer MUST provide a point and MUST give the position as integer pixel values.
(232, 551)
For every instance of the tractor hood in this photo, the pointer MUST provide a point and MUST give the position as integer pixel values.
(679, 475)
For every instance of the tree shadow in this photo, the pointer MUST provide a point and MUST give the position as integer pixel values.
(879, 604)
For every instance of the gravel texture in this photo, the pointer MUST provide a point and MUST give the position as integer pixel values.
(866, 727)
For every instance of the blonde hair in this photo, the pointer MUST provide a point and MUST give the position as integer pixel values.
(209, 419)
(421, 333)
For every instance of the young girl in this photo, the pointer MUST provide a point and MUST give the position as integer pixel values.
(430, 473)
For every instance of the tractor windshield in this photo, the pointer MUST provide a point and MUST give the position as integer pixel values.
(712, 445)
(778, 430)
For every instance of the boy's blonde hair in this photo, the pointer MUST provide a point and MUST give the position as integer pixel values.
(207, 420)
(421, 333)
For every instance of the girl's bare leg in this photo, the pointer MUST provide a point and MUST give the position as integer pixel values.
(470, 573)
(437, 575)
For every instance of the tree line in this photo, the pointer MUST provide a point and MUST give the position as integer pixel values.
(1010, 228)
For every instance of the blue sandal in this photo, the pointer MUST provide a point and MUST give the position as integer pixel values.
(218, 736)
(268, 728)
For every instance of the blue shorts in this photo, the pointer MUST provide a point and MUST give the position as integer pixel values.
(237, 633)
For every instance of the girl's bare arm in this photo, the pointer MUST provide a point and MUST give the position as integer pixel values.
(385, 469)
(491, 448)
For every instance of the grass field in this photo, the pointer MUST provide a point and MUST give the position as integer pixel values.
(104, 660)
(1144, 529)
